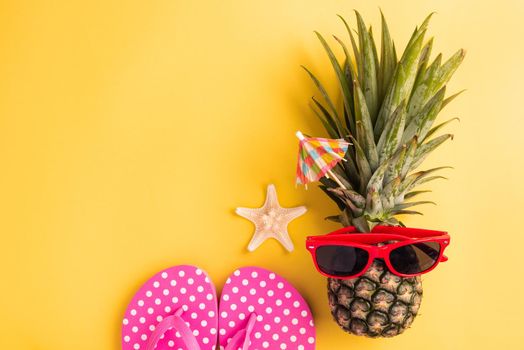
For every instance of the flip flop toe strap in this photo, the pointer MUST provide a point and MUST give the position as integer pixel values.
(173, 322)
(244, 334)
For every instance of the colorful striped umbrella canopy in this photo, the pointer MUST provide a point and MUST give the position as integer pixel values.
(317, 156)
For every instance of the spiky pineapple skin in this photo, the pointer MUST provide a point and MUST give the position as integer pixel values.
(376, 304)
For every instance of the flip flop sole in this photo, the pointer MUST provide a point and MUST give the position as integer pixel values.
(180, 287)
(283, 318)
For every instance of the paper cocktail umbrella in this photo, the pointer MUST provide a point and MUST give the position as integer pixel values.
(317, 156)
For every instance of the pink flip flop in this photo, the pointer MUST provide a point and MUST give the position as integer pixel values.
(175, 310)
(261, 310)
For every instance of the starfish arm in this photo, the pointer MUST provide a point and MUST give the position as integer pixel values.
(293, 213)
(271, 197)
(248, 213)
(258, 238)
(285, 240)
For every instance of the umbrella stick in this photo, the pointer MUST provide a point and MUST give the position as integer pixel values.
(336, 179)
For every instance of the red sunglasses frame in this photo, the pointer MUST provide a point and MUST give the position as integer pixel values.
(349, 236)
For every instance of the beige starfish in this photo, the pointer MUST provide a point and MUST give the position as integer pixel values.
(271, 220)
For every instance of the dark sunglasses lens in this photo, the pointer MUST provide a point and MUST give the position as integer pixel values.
(415, 258)
(341, 261)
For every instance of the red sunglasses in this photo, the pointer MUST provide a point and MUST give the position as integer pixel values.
(345, 253)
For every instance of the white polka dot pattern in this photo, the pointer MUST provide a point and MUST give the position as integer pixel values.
(180, 287)
(284, 320)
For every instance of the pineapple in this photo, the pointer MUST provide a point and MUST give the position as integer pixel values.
(388, 113)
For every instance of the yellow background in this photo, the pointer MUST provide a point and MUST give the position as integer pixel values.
(130, 130)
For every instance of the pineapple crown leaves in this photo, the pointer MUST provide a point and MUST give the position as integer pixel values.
(389, 108)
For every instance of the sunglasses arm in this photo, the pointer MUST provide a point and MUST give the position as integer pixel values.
(444, 258)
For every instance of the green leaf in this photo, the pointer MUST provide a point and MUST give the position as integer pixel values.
(422, 122)
(341, 205)
(416, 178)
(326, 97)
(402, 82)
(388, 193)
(422, 89)
(388, 60)
(411, 204)
(426, 179)
(350, 167)
(377, 180)
(343, 83)
(410, 157)
(355, 48)
(422, 28)
(420, 178)
(361, 224)
(392, 135)
(448, 68)
(348, 70)
(364, 127)
(406, 212)
(340, 174)
(377, 69)
(375, 53)
(422, 79)
(450, 98)
(363, 165)
(403, 187)
(425, 55)
(415, 193)
(368, 60)
(426, 148)
(435, 78)
(356, 209)
(374, 208)
(346, 218)
(395, 164)
(440, 126)
(334, 218)
(328, 182)
(334, 123)
(348, 114)
(391, 221)
(331, 132)
(358, 200)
